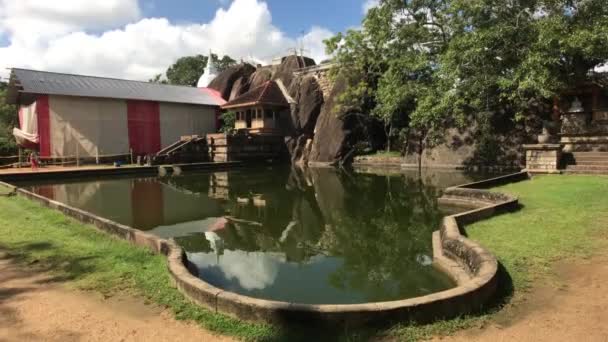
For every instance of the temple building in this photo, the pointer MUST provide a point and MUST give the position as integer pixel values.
(259, 110)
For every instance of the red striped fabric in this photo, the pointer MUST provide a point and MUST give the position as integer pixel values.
(144, 126)
(43, 113)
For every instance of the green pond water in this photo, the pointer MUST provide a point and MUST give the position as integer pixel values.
(316, 237)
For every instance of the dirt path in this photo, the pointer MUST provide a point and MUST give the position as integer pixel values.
(574, 308)
(34, 309)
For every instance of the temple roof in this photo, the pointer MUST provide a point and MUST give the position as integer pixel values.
(268, 94)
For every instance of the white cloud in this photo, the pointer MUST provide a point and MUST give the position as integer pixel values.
(253, 271)
(138, 48)
(369, 4)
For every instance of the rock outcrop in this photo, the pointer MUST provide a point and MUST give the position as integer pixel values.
(315, 132)
(224, 82)
(240, 87)
(289, 64)
(309, 97)
(331, 143)
(260, 76)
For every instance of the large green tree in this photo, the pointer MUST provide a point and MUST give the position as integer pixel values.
(8, 120)
(187, 70)
(430, 64)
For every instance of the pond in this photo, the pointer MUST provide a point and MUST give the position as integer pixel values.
(315, 237)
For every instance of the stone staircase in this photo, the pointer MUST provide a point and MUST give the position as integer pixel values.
(588, 163)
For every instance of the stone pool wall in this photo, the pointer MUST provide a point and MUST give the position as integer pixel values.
(473, 268)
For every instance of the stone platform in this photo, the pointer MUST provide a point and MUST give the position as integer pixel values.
(543, 158)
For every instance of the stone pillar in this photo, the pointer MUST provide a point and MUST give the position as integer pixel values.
(543, 158)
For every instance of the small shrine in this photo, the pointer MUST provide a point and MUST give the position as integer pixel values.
(583, 116)
(576, 139)
(259, 110)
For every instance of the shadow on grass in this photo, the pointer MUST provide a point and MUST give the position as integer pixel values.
(62, 267)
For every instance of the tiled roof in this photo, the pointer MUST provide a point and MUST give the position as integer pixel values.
(268, 94)
(51, 83)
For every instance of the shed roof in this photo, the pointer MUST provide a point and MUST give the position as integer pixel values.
(52, 83)
(268, 94)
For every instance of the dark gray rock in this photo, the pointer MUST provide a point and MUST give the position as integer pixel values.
(331, 143)
(260, 76)
(309, 97)
(289, 64)
(240, 87)
(225, 81)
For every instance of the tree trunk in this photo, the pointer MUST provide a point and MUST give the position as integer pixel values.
(420, 150)
(388, 136)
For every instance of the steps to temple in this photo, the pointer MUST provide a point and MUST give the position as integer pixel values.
(588, 163)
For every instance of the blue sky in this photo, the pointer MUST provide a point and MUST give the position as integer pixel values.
(291, 16)
(138, 39)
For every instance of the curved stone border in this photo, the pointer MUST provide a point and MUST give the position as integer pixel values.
(473, 268)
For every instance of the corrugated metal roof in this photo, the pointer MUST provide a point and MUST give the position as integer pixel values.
(51, 83)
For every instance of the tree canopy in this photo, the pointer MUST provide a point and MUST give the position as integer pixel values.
(428, 64)
(8, 120)
(187, 70)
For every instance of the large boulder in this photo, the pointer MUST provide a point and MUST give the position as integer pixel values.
(240, 87)
(332, 140)
(224, 82)
(260, 76)
(309, 99)
(289, 64)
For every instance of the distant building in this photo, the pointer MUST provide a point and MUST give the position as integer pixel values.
(65, 115)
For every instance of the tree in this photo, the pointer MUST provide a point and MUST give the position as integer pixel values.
(228, 121)
(8, 120)
(440, 63)
(187, 70)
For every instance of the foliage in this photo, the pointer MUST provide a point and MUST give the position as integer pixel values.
(187, 70)
(228, 121)
(8, 120)
(423, 65)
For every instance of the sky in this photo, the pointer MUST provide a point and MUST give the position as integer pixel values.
(137, 39)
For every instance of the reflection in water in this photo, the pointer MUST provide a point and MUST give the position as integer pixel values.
(320, 236)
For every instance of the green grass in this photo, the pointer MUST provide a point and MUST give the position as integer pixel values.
(91, 260)
(562, 217)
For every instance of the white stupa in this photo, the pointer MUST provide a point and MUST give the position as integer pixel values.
(209, 75)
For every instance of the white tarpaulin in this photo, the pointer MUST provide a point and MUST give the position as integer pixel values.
(27, 134)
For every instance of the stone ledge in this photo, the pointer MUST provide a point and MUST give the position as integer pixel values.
(473, 268)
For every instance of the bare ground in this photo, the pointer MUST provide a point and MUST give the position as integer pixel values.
(571, 307)
(34, 308)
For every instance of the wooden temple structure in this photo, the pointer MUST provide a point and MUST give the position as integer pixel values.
(259, 110)
(258, 133)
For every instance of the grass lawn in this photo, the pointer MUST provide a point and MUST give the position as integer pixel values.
(562, 217)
